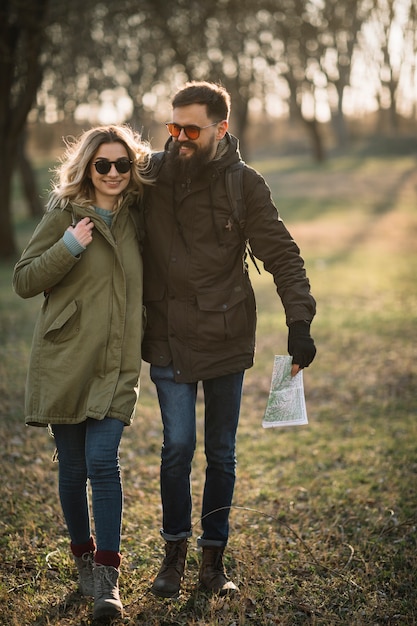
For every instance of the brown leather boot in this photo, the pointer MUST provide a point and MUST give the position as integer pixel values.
(168, 581)
(212, 573)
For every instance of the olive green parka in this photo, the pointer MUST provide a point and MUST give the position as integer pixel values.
(86, 352)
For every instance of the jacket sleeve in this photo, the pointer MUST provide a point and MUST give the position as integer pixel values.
(273, 245)
(46, 259)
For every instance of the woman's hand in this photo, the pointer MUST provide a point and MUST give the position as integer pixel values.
(82, 231)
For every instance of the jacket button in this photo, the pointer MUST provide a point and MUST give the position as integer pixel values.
(178, 372)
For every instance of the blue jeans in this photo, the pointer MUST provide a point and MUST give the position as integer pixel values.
(177, 402)
(91, 450)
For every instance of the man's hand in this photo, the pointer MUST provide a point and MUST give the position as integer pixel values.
(300, 346)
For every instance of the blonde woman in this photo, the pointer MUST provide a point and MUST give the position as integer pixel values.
(85, 258)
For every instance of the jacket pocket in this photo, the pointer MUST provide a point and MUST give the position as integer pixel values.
(66, 325)
(222, 315)
(155, 307)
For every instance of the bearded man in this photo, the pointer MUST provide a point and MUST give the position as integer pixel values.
(201, 318)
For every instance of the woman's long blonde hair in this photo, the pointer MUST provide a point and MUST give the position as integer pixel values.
(72, 182)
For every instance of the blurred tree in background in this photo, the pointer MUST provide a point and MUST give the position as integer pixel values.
(21, 45)
(306, 60)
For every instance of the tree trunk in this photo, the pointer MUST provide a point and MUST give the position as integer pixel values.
(241, 117)
(338, 118)
(313, 126)
(22, 34)
(316, 139)
(8, 249)
(30, 187)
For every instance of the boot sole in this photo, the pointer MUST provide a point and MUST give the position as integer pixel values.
(164, 594)
(108, 611)
(229, 591)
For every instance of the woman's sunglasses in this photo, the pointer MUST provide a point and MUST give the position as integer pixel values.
(103, 166)
(191, 131)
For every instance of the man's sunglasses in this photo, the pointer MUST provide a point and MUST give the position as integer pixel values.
(103, 166)
(191, 131)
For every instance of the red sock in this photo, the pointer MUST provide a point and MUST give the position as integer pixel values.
(81, 548)
(108, 557)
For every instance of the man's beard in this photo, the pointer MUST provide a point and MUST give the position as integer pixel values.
(189, 166)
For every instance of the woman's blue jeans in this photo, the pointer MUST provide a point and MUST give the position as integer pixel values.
(90, 450)
(177, 401)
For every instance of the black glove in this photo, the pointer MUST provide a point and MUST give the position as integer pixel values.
(300, 344)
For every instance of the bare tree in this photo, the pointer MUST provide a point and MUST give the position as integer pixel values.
(338, 39)
(296, 24)
(40, 41)
(394, 25)
(22, 27)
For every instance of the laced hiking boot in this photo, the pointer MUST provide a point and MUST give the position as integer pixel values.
(168, 581)
(106, 592)
(84, 565)
(212, 574)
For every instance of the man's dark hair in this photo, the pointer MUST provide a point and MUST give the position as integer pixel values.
(213, 96)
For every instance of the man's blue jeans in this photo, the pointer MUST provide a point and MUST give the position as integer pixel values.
(91, 450)
(177, 401)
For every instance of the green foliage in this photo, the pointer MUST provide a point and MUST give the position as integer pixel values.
(323, 528)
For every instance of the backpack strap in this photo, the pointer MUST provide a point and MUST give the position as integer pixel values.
(236, 197)
(234, 189)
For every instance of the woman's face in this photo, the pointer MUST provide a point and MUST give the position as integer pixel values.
(108, 186)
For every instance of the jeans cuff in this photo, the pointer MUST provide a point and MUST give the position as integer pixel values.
(179, 537)
(210, 543)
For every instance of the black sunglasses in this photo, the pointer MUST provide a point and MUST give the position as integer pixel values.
(191, 131)
(103, 166)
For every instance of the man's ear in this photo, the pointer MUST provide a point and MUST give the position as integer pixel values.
(222, 129)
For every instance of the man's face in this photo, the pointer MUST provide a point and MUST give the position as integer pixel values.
(191, 155)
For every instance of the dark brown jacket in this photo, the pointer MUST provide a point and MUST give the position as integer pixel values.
(201, 311)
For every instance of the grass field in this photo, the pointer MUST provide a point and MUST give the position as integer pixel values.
(324, 523)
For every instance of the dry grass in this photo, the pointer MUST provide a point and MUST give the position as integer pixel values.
(323, 530)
